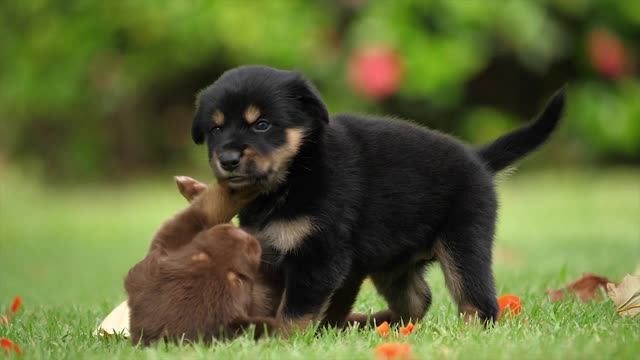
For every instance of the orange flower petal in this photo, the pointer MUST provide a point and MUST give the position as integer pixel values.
(406, 330)
(392, 351)
(384, 329)
(17, 349)
(16, 304)
(510, 302)
(8, 346)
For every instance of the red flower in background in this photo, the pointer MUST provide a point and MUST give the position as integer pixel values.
(375, 72)
(607, 54)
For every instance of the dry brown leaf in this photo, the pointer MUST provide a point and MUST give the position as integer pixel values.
(586, 288)
(4, 320)
(626, 295)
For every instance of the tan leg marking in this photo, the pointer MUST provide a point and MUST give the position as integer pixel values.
(451, 274)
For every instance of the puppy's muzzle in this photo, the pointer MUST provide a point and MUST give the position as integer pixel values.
(230, 159)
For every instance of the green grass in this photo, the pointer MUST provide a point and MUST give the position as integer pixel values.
(66, 250)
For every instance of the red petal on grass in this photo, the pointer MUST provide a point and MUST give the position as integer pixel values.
(585, 288)
(383, 330)
(395, 351)
(17, 349)
(406, 330)
(510, 302)
(8, 346)
(16, 304)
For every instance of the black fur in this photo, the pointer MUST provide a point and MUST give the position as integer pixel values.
(387, 197)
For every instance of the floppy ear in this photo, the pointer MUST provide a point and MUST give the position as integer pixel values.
(309, 98)
(197, 126)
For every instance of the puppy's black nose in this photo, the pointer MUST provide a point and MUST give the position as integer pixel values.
(230, 159)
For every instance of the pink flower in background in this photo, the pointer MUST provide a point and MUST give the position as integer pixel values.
(607, 54)
(376, 71)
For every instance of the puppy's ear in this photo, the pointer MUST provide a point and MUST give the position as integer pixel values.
(309, 98)
(198, 126)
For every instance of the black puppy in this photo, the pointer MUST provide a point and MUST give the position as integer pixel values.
(353, 196)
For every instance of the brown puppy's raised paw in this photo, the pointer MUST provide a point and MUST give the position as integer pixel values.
(189, 187)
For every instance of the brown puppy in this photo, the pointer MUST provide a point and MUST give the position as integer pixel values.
(197, 281)
(268, 287)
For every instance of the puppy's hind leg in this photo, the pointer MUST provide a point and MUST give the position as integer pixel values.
(407, 293)
(464, 253)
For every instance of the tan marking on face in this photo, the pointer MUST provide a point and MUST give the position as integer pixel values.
(249, 151)
(200, 257)
(251, 114)
(287, 235)
(280, 158)
(218, 118)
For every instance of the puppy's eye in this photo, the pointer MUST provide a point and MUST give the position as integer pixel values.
(215, 130)
(261, 125)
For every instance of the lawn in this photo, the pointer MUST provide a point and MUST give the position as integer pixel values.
(65, 250)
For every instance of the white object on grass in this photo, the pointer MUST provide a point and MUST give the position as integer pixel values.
(116, 323)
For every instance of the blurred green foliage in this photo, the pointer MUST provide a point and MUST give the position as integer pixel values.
(99, 88)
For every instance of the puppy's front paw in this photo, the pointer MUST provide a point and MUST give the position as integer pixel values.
(189, 187)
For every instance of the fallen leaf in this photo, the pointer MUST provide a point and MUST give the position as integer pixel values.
(626, 295)
(392, 350)
(585, 288)
(509, 302)
(406, 330)
(384, 329)
(4, 319)
(8, 346)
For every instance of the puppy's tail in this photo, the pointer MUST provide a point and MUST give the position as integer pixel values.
(512, 146)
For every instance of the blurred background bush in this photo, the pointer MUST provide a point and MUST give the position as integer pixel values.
(104, 90)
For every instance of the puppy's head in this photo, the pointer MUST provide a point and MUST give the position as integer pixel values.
(255, 120)
(232, 254)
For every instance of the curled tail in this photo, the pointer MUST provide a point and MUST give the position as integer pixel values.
(510, 147)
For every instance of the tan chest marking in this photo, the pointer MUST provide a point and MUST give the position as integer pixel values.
(287, 235)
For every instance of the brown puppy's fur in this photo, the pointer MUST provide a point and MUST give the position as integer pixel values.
(268, 287)
(197, 281)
